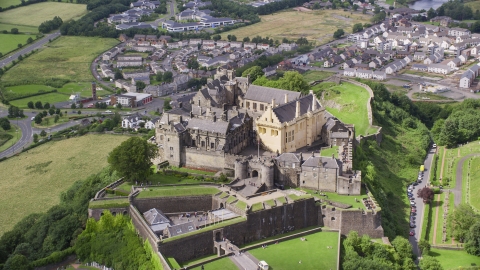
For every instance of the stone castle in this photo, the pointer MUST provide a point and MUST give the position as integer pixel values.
(212, 130)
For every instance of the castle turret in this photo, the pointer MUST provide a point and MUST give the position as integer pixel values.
(267, 175)
(241, 169)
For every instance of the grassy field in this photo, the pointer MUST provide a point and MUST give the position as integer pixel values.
(8, 3)
(475, 5)
(315, 26)
(474, 182)
(16, 133)
(453, 259)
(313, 75)
(222, 264)
(313, 253)
(34, 15)
(65, 58)
(21, 28)
(84, 88)
(10, 41)
(432, 96)
(332, 196)
(51, 98)
(33, 181)
(177, 191)
(350, 106)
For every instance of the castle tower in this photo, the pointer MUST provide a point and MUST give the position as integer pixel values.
(267, 175)
(241, 169)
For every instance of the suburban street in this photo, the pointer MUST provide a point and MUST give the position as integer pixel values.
(36, 45)
(419, 202)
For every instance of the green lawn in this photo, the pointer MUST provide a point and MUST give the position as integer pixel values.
(51, 98)
(312, 75)
(163, 179)
(34, 15)
(33, 181)
(474, 191)
(187, 170)
(318, 64)
(329, 152)
(109, 203)
(177, 191)
(66, 58)
(241, 205)
(221, 264)
(257, 207)
(16, 135)
(10, 41)
(313, 253)
(21, 28)
(49, 121)
(333, 196)
(8, 3)
(453, 259)
(351, 106)
(84, 88)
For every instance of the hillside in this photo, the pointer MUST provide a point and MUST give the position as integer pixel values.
(390, 167)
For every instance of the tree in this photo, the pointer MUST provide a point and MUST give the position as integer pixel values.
(80, 106)
(44, 113)
(424, 246)
(140, 85)
(168, 76)
(357, 28)
(51, 111)
(119, 106)
(19, 45)
(46, 105)
(254, 73)
(355, 7)
(35, 137)
(472, 240)
(193, 64)
(292, 80)
(17, 262)
(166, 104)
(57, 117)
(38, 105)
(159, 76)
(216, 37)
(133, 158)
(463, 218)
(118, 75)
(364, 11)
(431, 13)
(79, 112)
(426, 194)
(43, 133)
(246, 39)
(403, 247)
(338, 33)
(430, 263)
(30, 105)
(38, 118)
(14, 31)
(29, 40)
(5, 124)
(74, 106)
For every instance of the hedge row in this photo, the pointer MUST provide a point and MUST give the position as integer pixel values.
(55, 257)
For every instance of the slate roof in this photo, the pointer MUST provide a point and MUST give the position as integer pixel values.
(181, 229)
(155, 216)
(326, 162)
(288, 158)
(266, 94)
(286, 112)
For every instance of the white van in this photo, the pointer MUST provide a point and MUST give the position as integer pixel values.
(263, 265)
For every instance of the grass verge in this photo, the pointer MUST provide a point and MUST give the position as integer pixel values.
(453, 259)
(104, 204)
(177, 191)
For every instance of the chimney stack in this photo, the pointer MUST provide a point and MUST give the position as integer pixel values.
(286, 98)
(314, 103)
(273, 103)
(297, 110)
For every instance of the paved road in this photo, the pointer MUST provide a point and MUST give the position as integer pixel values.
(457, 191)
(36, 45)
(419, 202)
(27, 137)
(244, 261)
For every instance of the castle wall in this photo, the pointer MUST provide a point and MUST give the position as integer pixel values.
(201, 159)
(189, 248)
(175, 204)
(348, 186)
(287, 176)
(364, 222)
(319, 178)
(97, 213)
(142, 228)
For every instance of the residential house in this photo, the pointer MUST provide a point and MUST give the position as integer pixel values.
(439, 68)
(458, 32)
(269, 71)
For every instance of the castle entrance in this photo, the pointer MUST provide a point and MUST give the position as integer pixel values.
(218, 236)
(254, 173)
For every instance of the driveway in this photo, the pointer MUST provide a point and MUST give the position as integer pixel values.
(36, 45)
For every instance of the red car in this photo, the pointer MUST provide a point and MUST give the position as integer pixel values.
(412, 233)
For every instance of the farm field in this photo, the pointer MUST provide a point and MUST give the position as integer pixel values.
(313, 253)
(33, 181)
(51, 98)
(453, 259)
(315, 25)
(10, 41)
(68, 89)
(38, 13)
(349, 105)
(8, 3)
(21, 28)
(67, 58)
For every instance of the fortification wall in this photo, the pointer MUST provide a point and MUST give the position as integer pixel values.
(97, 213)
(352, 220)
(175, 204)
(202, 159)
(188, 248)
(142, 228)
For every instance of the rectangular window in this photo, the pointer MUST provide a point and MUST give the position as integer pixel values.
(212, 145)
(203, 144)
(171, 148)
(261, 107)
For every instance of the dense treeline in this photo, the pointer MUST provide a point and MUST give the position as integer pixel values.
(23, 3)
(362, 253)
(39, 235)
(387, 168)
(50, 25)
(263, 62)
(113, 241)
(280, 5)
(454, 9)
(225, 8)
(291, 80)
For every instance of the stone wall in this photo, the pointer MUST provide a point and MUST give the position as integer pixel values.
(202, 159)
(364, 222)
(189, 248)
(142, 228)
(175, 204)
(97, 213)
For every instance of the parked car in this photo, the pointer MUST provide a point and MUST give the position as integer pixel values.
(412, 225)
(409, 194)
(412, 203)
(412, 233)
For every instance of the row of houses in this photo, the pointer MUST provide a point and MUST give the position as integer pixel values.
(365, 74)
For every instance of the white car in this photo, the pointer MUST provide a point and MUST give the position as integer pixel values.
(412, 203)
(108, 111)
(434, 145)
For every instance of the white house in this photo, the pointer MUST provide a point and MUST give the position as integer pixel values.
(439, 68)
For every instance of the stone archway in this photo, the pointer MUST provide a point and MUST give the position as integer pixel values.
(254, 173)
(221, 205)
(218, 236)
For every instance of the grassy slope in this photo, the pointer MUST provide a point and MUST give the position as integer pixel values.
(352, 101)
(65, 58)
(474, 183)
(21, 28)
(452, 259)
(51, 98)
(318, 25)
(38, 13)
(33, 181)
(16, 133)
(7, 3)
(10, 41)
(313, 253)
